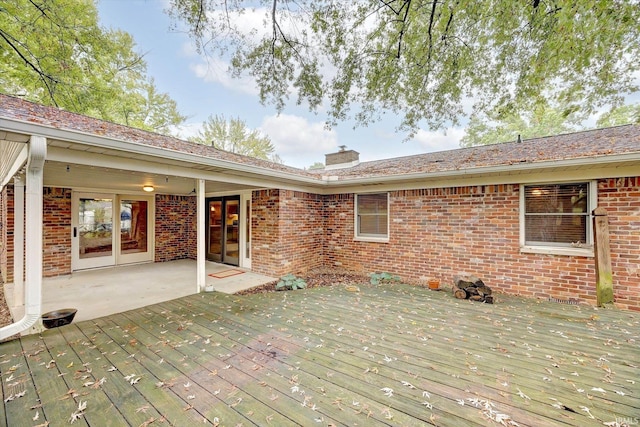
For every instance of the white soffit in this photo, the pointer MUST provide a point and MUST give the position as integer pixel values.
(13, 156)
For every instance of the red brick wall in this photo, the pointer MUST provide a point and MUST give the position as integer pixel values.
(287, 231)
(440, 232)
(56, 237)
(621, 198)
(433, 233)
(175, 230)
(56, 232)
(175, 233)
(265, 232)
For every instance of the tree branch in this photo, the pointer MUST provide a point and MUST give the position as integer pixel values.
(201, 13)
(37, 6)
(388, 4)
(277, 31)
(41, 75)
(404, 25)
(446, 29)
(429, 31)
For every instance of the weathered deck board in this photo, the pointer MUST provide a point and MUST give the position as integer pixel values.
(131, 366)
(552, 415)
(313, 371)
(325, 356)
(126, 398)
(530, 360)
(283, 378)
(15, 364)
(349, 373)
(203, 380)
(242, 369)
(77, 375)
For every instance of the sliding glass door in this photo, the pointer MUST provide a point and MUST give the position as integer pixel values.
(223, 230)
(134, 230)
(94, 231)
(110, 229)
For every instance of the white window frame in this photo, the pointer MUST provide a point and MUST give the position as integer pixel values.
(370, 237)
(585, 249)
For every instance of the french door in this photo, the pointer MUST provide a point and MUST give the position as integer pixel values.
(110, 229)
(223, 231)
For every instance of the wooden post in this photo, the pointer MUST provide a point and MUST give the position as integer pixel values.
(604, 274)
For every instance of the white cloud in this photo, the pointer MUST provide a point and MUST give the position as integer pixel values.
(439, 141)
(298, 141)
(215, 71)
(252, 24)
(188, 50)
(186, 130)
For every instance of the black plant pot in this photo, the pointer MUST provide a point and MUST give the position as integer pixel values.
(56, 318)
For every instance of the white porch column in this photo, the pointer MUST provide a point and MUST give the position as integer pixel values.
(33, 234)
(33, 226)
(201, 239)
(18, 241)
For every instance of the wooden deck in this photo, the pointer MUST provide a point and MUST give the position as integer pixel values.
(387, 355)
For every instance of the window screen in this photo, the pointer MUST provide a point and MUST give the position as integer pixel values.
(372, 215)
(557, 214)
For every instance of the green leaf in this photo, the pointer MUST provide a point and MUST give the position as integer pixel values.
(56, 53)
(424, 60)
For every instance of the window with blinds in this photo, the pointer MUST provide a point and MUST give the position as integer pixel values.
(372, 215)
(557, 214)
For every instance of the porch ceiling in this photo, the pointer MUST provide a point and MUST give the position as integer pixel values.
(85, 177)
(93, 166)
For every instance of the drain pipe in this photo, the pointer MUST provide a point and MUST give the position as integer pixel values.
(33, 211)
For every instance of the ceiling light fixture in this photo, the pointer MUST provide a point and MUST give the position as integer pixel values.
(148, 188)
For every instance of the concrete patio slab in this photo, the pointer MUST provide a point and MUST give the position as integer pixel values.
(101, 292)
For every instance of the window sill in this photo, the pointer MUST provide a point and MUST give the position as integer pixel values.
(553, 250)
(371, 239)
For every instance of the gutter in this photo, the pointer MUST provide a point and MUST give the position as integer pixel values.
(33, 202)
(86, 138)
(338, 181)
(322, 182)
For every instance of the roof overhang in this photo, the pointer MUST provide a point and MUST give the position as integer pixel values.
(69, 146)
(155, 164)
(571, 169)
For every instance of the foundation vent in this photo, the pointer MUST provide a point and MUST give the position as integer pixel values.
(570, 301)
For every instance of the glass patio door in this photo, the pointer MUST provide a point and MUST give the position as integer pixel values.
(93, 232)
(134, 230)
(231, 232)
(111, 230)
(214, 231)
(223, 231)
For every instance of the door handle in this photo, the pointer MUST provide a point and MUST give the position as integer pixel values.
(75, 231)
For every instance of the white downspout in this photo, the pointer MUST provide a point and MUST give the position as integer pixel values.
(18, 241)
(33, 282)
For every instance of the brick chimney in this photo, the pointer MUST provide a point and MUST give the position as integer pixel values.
(342, 159)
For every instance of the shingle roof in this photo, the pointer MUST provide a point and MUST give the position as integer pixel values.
(579, 145)
(15, 108)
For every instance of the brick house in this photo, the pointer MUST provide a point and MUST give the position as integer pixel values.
(516, 214)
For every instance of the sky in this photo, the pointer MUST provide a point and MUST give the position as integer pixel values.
(202, 89)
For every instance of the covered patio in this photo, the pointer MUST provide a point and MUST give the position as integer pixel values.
(340, 355)
(79, 194)
(102, 292)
